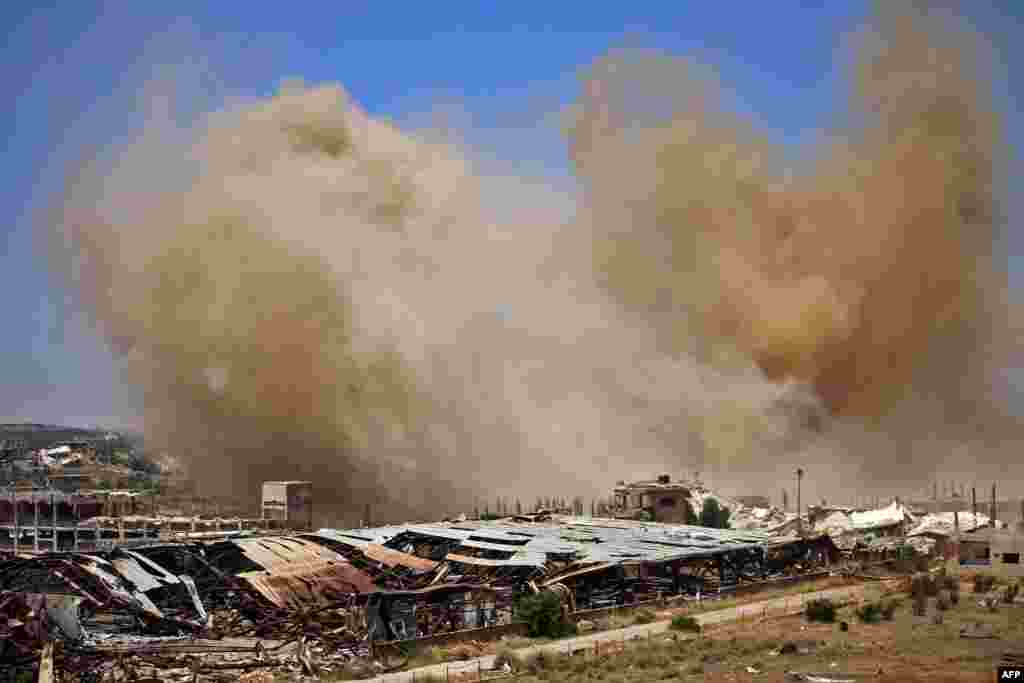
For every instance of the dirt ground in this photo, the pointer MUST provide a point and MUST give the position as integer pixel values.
(907, 648)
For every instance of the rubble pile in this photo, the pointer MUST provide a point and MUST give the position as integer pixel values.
(228, 605)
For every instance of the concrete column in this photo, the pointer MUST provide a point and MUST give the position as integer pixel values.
(53, 514)
(17, 530)
(74, 521)
(35, 514)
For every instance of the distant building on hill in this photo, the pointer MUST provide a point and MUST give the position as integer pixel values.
(662, 499)
(289, 501)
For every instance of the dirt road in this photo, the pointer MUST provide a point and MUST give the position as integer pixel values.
(776, 607)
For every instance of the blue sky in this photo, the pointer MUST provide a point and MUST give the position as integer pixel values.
(70, 72)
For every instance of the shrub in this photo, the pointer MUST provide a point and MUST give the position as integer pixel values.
(684, 622)
(983, 583)
(889, 608)
(713, 515)
(870, 613)
(920, 604)
(924, 585)
(541, 661)
(822, 610)
(505, 655)
(644, 616)
(542, 613)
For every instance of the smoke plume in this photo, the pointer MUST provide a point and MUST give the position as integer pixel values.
(865, 269)
(303, 291)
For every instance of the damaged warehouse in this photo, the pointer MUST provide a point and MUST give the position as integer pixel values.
(353, 588)
(344, 593)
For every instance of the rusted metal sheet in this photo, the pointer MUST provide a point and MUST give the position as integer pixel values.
(297, 572)
(396, 558)
(275, 554)
(304, 588)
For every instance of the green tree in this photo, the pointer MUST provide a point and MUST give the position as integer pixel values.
(542, 613)
(714, 515)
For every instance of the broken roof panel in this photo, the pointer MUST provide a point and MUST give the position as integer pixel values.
(395, 558)
(130, 569)
(297, 571)
(570, 538)
(523, 561)
(890, 515)
(942, 523)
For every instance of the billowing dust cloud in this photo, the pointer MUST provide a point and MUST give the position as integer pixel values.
(865, 269)
(303, 291)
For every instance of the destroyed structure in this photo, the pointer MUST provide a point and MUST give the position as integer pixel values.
(152, 596)
(369, 585)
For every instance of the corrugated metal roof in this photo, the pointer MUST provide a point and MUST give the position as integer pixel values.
(591, 540)
(296, 571)
(395, 558)
(524, 561)
(481, 545)
(129, 568)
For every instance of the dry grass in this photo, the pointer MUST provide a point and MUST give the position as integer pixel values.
(904, 649)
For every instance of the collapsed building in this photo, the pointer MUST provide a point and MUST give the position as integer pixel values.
(360, 586)
(351, 588)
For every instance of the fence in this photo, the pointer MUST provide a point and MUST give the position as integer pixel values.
(597, 646)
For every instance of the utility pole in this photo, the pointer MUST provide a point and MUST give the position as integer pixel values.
(992, 517)
(974, 505)
(799, 519)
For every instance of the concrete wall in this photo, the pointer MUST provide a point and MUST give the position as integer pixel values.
(452, 638)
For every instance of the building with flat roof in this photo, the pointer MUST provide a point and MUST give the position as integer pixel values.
(662, 499)
(289, 501)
